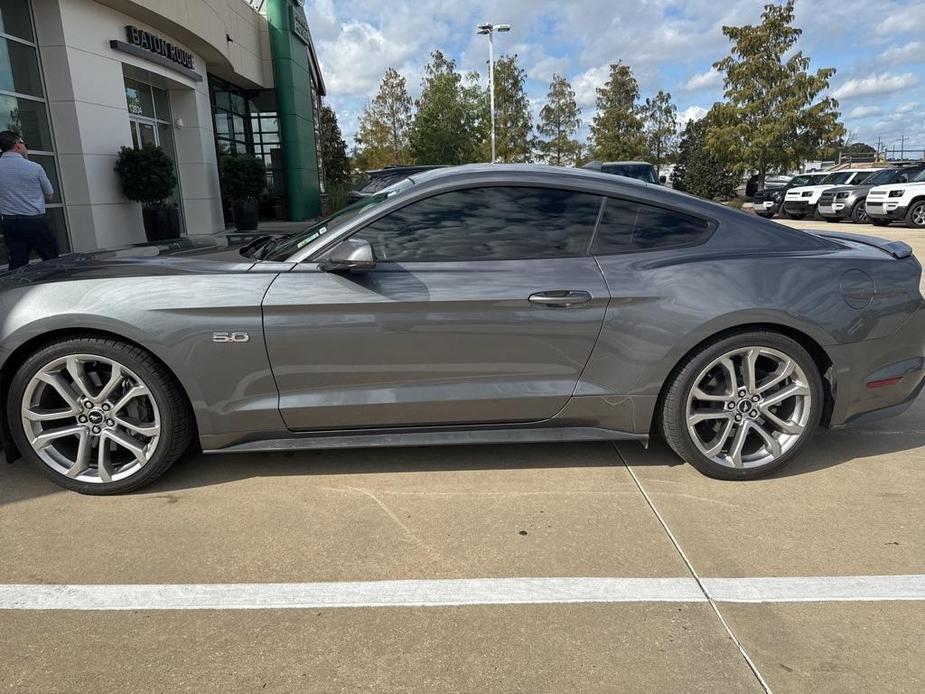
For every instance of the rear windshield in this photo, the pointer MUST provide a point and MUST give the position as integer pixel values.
(644, 172)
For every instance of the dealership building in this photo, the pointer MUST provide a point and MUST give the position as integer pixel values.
(80, 79)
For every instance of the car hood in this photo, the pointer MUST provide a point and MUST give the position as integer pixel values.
(803, 189)
(897, 186)
(188, 255)
(851, 189)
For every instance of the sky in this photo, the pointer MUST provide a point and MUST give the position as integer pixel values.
(877, 47)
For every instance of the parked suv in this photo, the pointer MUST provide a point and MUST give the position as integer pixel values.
(904, 201)
(802, 201)
(767, 201)
(849, 202)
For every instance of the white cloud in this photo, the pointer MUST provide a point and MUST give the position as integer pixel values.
(586, 84)
(884, 83)
(912, 52)
(865, 111)
(904, 20)
(691, 113)
(710, 79)
(906, 108)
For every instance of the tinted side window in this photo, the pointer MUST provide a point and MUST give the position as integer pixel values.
(503, 223)
(627, 226)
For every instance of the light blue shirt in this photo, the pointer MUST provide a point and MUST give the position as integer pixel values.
(23, 185)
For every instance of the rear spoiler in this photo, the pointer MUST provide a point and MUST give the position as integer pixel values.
(897, 249)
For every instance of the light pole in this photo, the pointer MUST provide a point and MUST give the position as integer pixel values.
(489, 30)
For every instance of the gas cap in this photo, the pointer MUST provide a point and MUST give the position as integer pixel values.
(858, 288)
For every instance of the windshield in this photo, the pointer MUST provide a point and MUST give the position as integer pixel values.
(839, 177)
(806, 180)
(878, 178)
(644, 172)
(920, 176)
(285, 247)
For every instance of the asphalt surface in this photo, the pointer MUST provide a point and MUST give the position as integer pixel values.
(852, 505)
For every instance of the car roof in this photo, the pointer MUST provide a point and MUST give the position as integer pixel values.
(525, 172)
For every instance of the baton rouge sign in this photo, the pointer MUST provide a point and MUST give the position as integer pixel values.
(155, 44)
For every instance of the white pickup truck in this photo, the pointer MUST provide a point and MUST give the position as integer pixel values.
(904, 201)
(802, 201)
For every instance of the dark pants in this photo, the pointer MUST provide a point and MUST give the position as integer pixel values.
(23, 235)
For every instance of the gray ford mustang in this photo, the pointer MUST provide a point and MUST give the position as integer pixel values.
(467, 305)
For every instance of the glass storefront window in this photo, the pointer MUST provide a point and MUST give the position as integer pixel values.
(15, 20)
(138, 98)
(19, 68)
(47, 162)
(28, 118)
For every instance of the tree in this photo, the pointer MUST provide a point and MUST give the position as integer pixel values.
(334, 162)
(513, 120)
(699, 170)
(773, 117)
(385, 125)
(660, 123)
(616, 131)
(559, 121)
(446, 126)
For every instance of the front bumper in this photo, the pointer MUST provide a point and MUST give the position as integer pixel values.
(884, 209)
(799, 207)
(840, 209)
(767, 207)
(864, 373)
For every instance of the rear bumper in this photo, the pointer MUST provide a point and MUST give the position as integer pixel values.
(885, 210)
(879, 378)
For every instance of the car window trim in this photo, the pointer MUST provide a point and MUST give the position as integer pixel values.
(320, 253)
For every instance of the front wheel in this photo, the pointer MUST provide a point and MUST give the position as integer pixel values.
(859, 212)
(743, 405)
(98, 416)
(915, 216)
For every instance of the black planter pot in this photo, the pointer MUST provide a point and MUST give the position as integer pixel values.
(246, 214)
(161, 223)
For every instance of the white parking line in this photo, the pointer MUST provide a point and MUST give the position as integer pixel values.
(455, 592)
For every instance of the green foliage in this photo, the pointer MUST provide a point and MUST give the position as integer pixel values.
(447, 127)
(660, 123)
(334, 162)
(699, 170)
(513, 120)
(559, 121)
(337, 196)
(773, 118)
(385, 125)
(616, 131)
(243, 176)
(147, 175)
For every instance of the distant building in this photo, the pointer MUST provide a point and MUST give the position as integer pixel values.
(198, 77)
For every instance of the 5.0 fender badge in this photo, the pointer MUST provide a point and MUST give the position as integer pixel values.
(235, 336)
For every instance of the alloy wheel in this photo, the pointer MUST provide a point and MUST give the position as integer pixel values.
(90, 418)
(918, 215)
(861, 212)
(748, 407)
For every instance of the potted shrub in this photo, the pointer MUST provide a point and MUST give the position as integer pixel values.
(148, 177)
(243, 180)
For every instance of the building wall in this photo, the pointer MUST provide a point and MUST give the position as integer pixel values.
(86, 99)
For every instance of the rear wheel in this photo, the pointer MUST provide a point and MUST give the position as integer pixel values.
(915, 215)
(743, 405)
(98, 416)
(859, 212)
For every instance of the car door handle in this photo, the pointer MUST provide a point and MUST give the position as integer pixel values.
(560, 298)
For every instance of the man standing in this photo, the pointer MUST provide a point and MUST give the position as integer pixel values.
(24, 189)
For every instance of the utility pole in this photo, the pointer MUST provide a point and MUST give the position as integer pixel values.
(489, 30)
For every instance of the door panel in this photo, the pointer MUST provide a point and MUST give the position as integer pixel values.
(422, 343)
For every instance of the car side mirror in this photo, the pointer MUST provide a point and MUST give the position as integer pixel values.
(663, 179)
(352, 254)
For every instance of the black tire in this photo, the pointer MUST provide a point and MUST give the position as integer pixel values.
(880, 222)
(176, 420)
(859, 212)
(915, 212)
(672, 421)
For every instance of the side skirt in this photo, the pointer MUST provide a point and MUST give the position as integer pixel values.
(379, 438)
